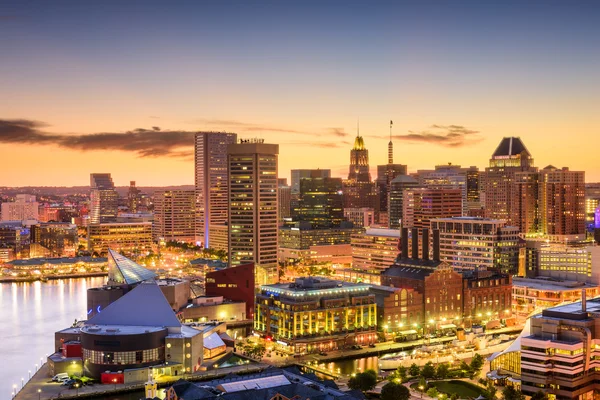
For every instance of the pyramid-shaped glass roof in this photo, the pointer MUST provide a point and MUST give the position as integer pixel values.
(122, 270)
(145, 305)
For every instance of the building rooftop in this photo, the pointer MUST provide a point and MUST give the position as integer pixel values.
(119, 330)
(547, 284)
(510, 146)
(315, 287)
(209, 262)
(57, 261)
(405, 179)
(122, 270)
(393, 233)
(573, 311)
(145, 305)
(408, 272)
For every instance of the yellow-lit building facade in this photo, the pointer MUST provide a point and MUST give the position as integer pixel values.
(315, 315)
(126, 238)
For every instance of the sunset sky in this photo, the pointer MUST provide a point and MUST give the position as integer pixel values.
(455, 77)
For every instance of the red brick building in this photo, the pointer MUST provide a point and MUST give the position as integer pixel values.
(487, 296)
(234, 283)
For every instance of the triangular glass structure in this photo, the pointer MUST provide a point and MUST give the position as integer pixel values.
(145, 305)
(122, 270)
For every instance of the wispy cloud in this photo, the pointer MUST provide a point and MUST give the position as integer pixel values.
(442, 135)
(152, 142)
(248, 127)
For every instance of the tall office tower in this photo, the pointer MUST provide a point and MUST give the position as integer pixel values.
(524, 203)
(299, 174)
(212, 187)
(320, 202)
(358, 190)
(133, 197)
(511, 156)
(396, 198)
(449, 176)
(562, 201)
(25, 207)
(422, 205)
(285, 202)
(253, 205)
(104, 199)
(59, 238)
(174, 216)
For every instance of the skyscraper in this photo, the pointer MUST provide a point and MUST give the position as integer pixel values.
(104, 199)
(299, 174)
(212, 187)
(25, 207)
(396, 198)
(359, 191)
(133, 197)
(421, 205)
(511, 156)
(320, 202)
(174, 215)
(253, 205)
(285, 201)
(562, 201)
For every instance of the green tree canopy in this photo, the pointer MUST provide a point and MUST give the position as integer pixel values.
(510, 393)
(394, 391)
(442, 371)
(363, 381)
(428, 371)
(414, 370)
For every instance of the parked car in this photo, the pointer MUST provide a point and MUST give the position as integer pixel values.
(60, 377)
(356, 347)
(68, 382)
(322, 353)
(372, 345)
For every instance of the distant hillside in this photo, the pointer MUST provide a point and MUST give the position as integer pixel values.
(72, 190)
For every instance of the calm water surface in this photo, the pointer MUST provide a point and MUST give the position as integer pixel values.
(30, 313)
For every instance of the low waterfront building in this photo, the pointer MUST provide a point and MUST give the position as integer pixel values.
(312, 315)
(397, 308)
(129, 238)
(487, 296)
(560, 356)
(531, 295)
(375, 250)
(137, 331)
(60, 239)
(59, 266)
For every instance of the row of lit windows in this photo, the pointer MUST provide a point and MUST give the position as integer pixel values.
(123, 357)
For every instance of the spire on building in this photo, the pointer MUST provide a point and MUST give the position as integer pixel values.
(391, 146)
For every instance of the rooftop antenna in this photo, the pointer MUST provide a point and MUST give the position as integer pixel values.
(357, 126)
(391, 146)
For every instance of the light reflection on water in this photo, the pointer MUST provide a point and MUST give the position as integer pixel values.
(30, 313)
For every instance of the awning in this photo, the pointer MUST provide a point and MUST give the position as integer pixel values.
(409, 332)
(213, 341)
(448, 326)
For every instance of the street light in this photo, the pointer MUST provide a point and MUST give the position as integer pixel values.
(421, 387)
(115, 382)
(39, 394)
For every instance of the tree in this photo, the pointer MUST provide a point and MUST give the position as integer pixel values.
(539, 395)
(432, 392)
(394, 391)
(414, 370)
(491, 390)
(510, 393)
(442, 371)
(422, 384)
(454, 396)
(363, 381)
(477, 362)
(402, 374)
(428, 371)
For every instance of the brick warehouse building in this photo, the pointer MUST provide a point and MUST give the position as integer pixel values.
(487, 295)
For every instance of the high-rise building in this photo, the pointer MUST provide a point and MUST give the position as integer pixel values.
(502, 200)
(25, 207)
(470, 243)
(422, 205)
(104, 199)
(174, 216)
(562, 201)
(253, 205)
(299, 174)
(212, 187)
(396, 198)
(285, 202)
(385, 174)
(360, 217)
(359, 190)
(319, 202)
(375, 250)
(133, 197)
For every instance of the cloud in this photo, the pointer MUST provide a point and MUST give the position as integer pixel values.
(152, 142)
(339, 132)
(442, 135)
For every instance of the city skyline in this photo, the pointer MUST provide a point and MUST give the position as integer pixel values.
(453, 79)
